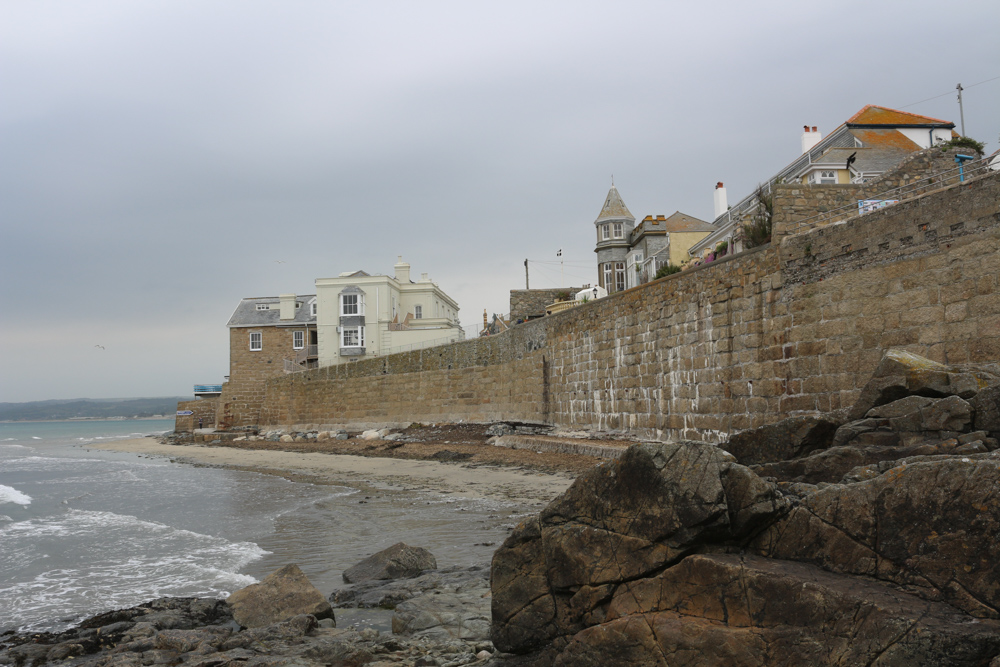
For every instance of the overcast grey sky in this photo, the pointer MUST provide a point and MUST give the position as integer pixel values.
(159, 158)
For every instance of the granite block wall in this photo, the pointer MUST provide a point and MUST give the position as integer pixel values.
(792, 328)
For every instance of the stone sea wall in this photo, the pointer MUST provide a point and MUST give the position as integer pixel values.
(791, 328)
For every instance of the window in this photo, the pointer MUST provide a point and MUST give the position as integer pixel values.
(352, 304)
(298, 340)
(418, 312)
(619, 276)
(312, 309)
(607, 276)
(352, 337)
(606, 231)
(263, 306)
(619, 230)
(256, 341)
(827, 177)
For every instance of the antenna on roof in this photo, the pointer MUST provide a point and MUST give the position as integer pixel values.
(612, 180)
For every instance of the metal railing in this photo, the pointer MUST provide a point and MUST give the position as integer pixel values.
(890, 197)
(208, 389)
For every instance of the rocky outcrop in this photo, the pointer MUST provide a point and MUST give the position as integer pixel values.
(280, 596)
(399, 561)
(863, 537)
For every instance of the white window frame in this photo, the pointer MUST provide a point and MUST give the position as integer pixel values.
(620, 282)
(350, 304)
(827, 177)
(606, 232)
(609, 276)
(298, 340)
(353, 332)
(619, 230)
(256, 341)
(312, 309)
(418, 312)
(263, 306)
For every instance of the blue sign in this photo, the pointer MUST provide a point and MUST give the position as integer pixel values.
(181, 413)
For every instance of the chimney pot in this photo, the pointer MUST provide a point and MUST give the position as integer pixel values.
(814, 128)
(805, 128)
(719, 185)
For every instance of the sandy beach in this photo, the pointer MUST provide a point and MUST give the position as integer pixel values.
(465, 479)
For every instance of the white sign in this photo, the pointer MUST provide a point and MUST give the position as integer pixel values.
(868, 205)
(181, 413)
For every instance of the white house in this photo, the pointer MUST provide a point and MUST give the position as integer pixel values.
(359, 316)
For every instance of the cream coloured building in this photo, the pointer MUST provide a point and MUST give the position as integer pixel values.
(359, 316)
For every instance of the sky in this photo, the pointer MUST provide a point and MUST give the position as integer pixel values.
(161, 160)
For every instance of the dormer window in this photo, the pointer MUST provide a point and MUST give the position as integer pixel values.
(312, 309)
(263, 306)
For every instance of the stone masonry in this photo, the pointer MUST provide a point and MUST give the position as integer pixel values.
(790, 328)
(528, 304)
(800, 207)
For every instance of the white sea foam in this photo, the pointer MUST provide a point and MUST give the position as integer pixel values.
(35, 437)
(4, 517)
(9, 494)
(118, 561)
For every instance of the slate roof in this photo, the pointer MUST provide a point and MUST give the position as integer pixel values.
(614, 208)
(247, 315)
(682, 222)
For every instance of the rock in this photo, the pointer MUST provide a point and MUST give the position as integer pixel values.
(787, 439)
(901, 374)
(280, 596)
(724, 609)
(370, 434)
(439, 615)
(620, 521)
(400, 561)
(286, 438)
(928, 525)
(987, 408)
(900, 408)
(389, 593)
(946, 414)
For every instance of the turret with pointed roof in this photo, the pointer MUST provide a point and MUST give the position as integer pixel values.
(614, 228)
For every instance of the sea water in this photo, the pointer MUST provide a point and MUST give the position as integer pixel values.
(83, 531)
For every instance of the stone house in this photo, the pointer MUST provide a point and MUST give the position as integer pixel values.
(870, 143)
(269, 336)
(360, 315)
(628, 255)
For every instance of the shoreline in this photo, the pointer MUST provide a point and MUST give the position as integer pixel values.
(468, 480)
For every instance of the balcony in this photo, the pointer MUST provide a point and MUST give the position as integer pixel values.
(202, 390)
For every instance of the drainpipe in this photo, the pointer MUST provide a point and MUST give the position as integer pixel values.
(961, 160)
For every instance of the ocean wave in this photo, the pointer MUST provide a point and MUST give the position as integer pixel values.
(9, 494)
(118, 561)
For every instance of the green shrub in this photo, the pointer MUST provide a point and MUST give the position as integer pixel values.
(757, 230)
(964, 142)
(667, 270)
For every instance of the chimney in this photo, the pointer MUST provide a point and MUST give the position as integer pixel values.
(402, 270)
(810, 137)
(721, 203)
(287, 302)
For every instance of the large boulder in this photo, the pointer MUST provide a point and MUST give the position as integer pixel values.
(280, 596)
(787, 439)
(461, 615)
(929, 525)
(400, 561)
(727, 609)
(618, 522)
